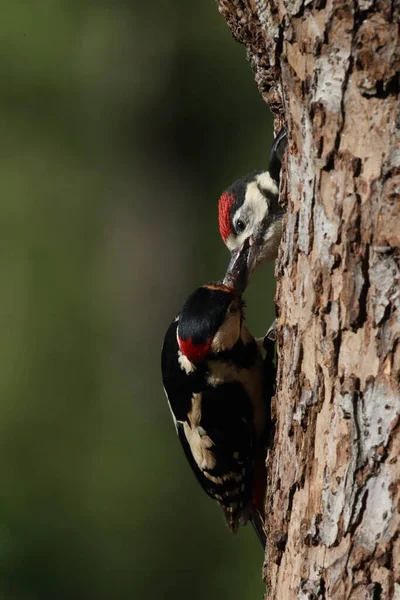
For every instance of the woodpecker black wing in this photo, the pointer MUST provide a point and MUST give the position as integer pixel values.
(179, 385)
(276, 153)
(218, 440)
(222, 457)
(188, 453)
(204, 477)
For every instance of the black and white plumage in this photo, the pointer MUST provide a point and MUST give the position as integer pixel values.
(249, 214)
(213, 376)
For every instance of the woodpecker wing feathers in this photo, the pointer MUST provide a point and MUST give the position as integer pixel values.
(276, 153)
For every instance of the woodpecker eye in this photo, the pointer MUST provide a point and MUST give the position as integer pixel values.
(240, 226)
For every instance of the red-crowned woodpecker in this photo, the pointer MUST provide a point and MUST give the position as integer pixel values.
(215, 381)
(249, 214)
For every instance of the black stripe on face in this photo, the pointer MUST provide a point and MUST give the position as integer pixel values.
(275, 213)
(270, 195)
(203, 314)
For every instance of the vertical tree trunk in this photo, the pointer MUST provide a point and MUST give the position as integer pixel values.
(330, 68)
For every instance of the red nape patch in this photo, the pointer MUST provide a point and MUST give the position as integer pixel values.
(224, 219)
(194, 352)
(259, 485)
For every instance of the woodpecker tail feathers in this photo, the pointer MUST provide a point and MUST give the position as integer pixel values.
(249, 513)
(258, 525)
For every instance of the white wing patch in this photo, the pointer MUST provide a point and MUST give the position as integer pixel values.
(199, 442)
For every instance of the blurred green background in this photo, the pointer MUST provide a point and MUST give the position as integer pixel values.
(121, 123)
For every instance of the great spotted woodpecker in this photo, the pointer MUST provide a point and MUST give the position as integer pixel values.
(214, 379)
(249, 214)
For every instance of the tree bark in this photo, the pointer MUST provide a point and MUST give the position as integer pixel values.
(330, 69)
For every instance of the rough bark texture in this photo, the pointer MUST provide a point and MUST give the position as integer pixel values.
(330, 68)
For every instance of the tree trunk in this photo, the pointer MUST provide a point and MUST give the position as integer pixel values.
(330, 69)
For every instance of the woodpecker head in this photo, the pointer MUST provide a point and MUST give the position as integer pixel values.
(250, 217)
(210, 322)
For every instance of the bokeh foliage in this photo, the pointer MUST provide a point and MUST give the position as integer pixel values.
(121, 123)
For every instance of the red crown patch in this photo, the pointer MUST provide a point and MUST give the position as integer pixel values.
(224, 219)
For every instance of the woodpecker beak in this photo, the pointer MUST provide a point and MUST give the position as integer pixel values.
(253, 256)
(238, 273)
(242, 265)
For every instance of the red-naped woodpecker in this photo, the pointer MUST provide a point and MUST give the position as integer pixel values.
(215, 381)
(249, 214)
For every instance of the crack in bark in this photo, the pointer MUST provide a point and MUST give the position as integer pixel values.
(281, 539)
(359, 508)
(377, 591)
(362, 315)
